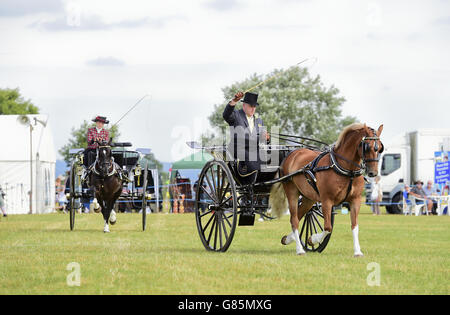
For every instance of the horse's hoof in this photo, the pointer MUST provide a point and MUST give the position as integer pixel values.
(358, 255)
(283, 240)
(98, 209)
(112, 222)
(310, 243)
(301, 254)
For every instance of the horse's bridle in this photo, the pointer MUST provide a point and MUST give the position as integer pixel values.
(365, 147)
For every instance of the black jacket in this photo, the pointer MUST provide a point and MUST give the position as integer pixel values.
(244, 143)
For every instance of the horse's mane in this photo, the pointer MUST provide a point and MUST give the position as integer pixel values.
(352, 127)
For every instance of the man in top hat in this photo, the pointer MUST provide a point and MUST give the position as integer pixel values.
(247, 131)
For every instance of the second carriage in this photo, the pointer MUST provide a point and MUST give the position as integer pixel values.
(137, 195)
(225, 199)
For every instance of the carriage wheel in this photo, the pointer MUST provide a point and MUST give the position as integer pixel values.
(144, 198)
(312, 224)
(216, 206)
(73, 183)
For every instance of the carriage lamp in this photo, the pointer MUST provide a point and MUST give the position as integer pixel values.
(138, 170)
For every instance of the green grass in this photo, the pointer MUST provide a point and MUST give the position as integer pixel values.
(413, 254)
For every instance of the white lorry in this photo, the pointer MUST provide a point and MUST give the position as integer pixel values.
(407, 158)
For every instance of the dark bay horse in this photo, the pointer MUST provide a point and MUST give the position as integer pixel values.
(338, 178)
(105, 183)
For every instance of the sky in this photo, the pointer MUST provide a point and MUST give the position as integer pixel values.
(77, 59)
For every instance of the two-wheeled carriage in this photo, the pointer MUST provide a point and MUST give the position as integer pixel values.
(224, 199)
(138, 193)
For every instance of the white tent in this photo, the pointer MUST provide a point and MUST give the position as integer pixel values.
(15, 173)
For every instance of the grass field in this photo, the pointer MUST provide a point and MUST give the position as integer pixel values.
(413, 254)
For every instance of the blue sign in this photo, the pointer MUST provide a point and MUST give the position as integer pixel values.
(441, 168)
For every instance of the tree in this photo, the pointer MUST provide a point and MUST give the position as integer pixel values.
(12, 103)
(79, 140)
(294, 101)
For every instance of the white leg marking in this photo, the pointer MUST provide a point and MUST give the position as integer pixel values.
(299, 247)
(106, 228)
(112, 217)
(318, 238)
(289, 239)
(96, 204)
(356, 246)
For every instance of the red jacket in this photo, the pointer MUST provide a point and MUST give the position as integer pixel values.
(93, 134)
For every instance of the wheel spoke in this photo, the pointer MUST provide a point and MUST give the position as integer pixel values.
(224, 227)
(211, 187)
(206, 213)
(204, 189)
(303, 227)
(313, 223)
(224, 202)
(219, 182)
(212, 228)
(219, 223)
(307, 231)
(318, 223)
(224, 192)
(213, 178)
(226, 219)
(310, 229)
(318, 212)
(207, 224)
(215, 232)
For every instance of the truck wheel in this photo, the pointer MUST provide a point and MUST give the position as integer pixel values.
(397, 205)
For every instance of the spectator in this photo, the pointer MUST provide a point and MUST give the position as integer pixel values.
(62, 201)
(430, 190)
(446, 189)
(2, 202)
(376, 195)
(418, 192)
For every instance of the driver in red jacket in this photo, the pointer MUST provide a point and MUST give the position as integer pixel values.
(94, 135)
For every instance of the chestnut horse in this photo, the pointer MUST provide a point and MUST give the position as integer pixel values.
(331, 178)
(106, 184)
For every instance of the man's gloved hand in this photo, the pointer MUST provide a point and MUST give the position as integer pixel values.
(236, 98)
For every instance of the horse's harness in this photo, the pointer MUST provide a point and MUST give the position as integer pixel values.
(311, 168)
(109, 164)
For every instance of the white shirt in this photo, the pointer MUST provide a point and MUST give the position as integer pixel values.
(251, 122)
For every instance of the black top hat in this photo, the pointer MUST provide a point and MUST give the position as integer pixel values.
(251, 99)
(101, 119)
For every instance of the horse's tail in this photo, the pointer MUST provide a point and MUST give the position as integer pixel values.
(278, 200)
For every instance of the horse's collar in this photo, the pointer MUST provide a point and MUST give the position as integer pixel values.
(341, 170)
(109, 174)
